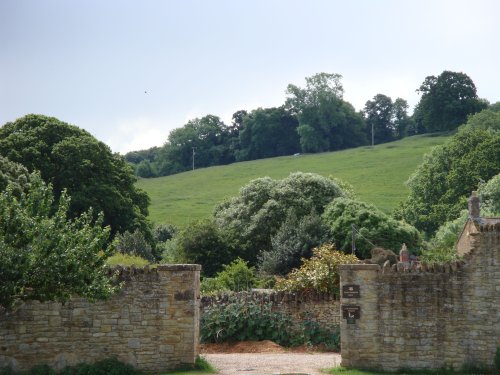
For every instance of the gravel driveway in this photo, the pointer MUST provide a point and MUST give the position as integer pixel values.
(272, 363)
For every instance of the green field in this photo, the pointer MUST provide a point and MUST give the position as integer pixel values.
(378, 175)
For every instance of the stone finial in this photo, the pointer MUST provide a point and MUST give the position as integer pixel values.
(404, 254)
(474, 210)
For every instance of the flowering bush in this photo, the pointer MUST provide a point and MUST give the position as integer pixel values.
(317, 274)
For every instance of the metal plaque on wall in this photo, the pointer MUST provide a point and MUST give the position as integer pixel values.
(351, 291)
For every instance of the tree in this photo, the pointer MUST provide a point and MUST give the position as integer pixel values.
(72, 159)
(386, 120)
(378, 113)
(293, 241)
(45, 254)
(205, 139)
(203, 242)
(401, 121)
(15, 174)
(326, 121)
(447, 100)
(489, 194)
(252, 218)
(440, 186)
(267, 133)
(373, 227)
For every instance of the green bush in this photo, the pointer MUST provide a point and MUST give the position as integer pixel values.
(134, 243)
(317, 274)
(252, 321)
(235, 277)
(246, 321)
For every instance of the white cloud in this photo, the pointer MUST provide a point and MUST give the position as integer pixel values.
(137, 134)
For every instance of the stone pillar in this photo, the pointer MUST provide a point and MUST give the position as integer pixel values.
(359, 337)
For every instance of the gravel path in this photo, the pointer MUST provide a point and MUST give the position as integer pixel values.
(272, 363)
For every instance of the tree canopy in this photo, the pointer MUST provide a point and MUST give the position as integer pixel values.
(45, 254)
(387, 119)
(440, 186)
(326, 121)
(71, 159)
(373, 228)
(446, 101)
(252, 218)
(267, 132)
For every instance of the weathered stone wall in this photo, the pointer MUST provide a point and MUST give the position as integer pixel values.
(322, 308)
(152, 323)
(428, 316)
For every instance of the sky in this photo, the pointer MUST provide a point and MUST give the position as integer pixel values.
(131, 71)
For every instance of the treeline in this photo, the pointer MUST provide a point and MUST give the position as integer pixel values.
(314, 118)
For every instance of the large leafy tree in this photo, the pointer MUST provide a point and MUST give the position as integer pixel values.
(446, 101)
(45, 255)
(386, 120)
(373, 227)
(251, 219)
(267, 133)
(207, 139)
(71, 159)
(326, 121)
(440, 186)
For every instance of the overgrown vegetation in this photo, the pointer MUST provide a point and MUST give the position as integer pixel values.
(318, 274)
(440, 186)
(45, 255)
(251, 321)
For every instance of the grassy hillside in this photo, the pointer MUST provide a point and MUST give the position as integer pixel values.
(377, 174)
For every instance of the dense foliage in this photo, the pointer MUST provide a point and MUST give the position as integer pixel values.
(203, 242)
(267, 132)
(14, 174)
(45, 254)
(386, 120)
(255, 216)
(326, 121)
(489, 195)
(293, 241)
(251, 321)
(70, 158)
(446, 101)
(236, 276)
(440, 186)
(373, 228)
(319, 274)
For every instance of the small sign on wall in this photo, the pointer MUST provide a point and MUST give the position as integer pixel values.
(351, 313)
(351, 291)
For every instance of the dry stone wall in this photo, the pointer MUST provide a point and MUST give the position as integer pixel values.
(426, 316)
(322, 308)
(152, 323)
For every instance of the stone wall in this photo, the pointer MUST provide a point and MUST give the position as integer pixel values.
(426, 316)
(322, 308)
(152, 323)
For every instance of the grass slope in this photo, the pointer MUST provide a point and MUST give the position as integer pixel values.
(378, 175)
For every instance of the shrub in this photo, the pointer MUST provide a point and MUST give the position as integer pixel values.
(317, 274)
(236, 277)
(134, 243)
(244, 321)
(293, 241)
